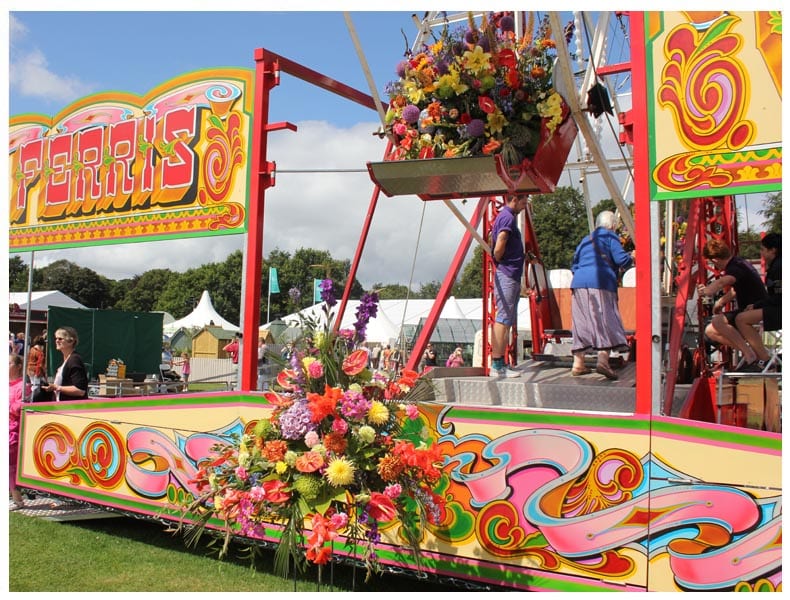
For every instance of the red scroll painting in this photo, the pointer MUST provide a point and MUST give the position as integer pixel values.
(115, 167)
(714, 102)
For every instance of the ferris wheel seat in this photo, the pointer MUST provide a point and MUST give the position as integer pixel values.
(476, 176)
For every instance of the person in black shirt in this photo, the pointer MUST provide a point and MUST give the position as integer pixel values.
(71, 378)
(745, 287)
(769, 311)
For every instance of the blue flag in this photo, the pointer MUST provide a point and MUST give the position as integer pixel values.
(274, 285)
(316, 290)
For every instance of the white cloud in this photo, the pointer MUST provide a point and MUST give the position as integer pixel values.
(321, 210)
(29, 73)
(30, 76)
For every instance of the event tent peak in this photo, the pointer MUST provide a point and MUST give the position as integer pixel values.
(204, 314)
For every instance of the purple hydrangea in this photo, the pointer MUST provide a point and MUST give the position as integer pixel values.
(295, 421)
(475, 128)
(328, 293)
(411, 113)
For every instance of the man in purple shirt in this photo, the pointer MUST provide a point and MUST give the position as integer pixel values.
(508, 253)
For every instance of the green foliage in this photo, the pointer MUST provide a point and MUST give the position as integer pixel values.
(429, 290)
(560, 222)
(297, 272)
(749, 244)
(470, 284)
(772, 212)
(18, 274)
(142, 292)
(82, 284)
(392, 291)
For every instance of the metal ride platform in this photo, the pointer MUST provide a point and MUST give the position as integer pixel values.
(60, 509)
(542, 385)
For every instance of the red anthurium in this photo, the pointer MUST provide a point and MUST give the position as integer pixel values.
(284, 378)
(512, 79)
(486, 104)
(276, 399)
(381, 507)
(507, 58)
(355, 363)
(274, 491)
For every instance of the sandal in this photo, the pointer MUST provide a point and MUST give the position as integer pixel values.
(582, 371)
(606, 371)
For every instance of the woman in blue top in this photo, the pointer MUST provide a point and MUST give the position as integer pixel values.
(596, 322)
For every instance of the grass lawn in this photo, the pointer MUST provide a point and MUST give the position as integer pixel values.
(130, 555)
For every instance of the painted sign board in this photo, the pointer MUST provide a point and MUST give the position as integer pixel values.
(714, 102)
(115, 167)
(538, 501)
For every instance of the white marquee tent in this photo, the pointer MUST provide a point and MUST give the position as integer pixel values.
(43, 300)
(204, 314)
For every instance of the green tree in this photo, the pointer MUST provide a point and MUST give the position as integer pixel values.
(470, 284)
(392, 291)
(749, 244)
(18, 274)
(560, 222)
(221, 280)
(429, 290)
(141, 292)
(82, 284)
(773, 212)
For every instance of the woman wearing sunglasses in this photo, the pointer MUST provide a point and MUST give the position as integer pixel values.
(71, 378)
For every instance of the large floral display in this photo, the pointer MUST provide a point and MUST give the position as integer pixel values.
(343, 454)
(477, 90)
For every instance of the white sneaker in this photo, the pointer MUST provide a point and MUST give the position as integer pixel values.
(496, 373)
(511, 373)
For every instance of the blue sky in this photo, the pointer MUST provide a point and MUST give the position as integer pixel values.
(57, 57)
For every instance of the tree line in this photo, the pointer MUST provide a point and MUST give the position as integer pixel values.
(559, 220)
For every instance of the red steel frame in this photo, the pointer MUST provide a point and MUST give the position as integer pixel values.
(268, 66)
(267, 75)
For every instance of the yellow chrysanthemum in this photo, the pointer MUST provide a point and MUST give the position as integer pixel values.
(378, 413)
(340, 472)
(280, 467)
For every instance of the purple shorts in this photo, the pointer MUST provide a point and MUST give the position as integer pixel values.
(506, 294)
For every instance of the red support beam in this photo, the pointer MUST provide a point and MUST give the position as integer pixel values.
(363, 237)
(645, 369)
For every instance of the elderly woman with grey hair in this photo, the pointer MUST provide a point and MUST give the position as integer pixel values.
(597, 325)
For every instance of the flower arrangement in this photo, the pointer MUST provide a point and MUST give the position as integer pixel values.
(343, 451)
(476, 91)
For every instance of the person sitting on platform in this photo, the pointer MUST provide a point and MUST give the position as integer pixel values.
(745, 287)
(769, 311)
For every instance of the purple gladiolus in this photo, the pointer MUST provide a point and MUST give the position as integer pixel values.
(328, 293)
